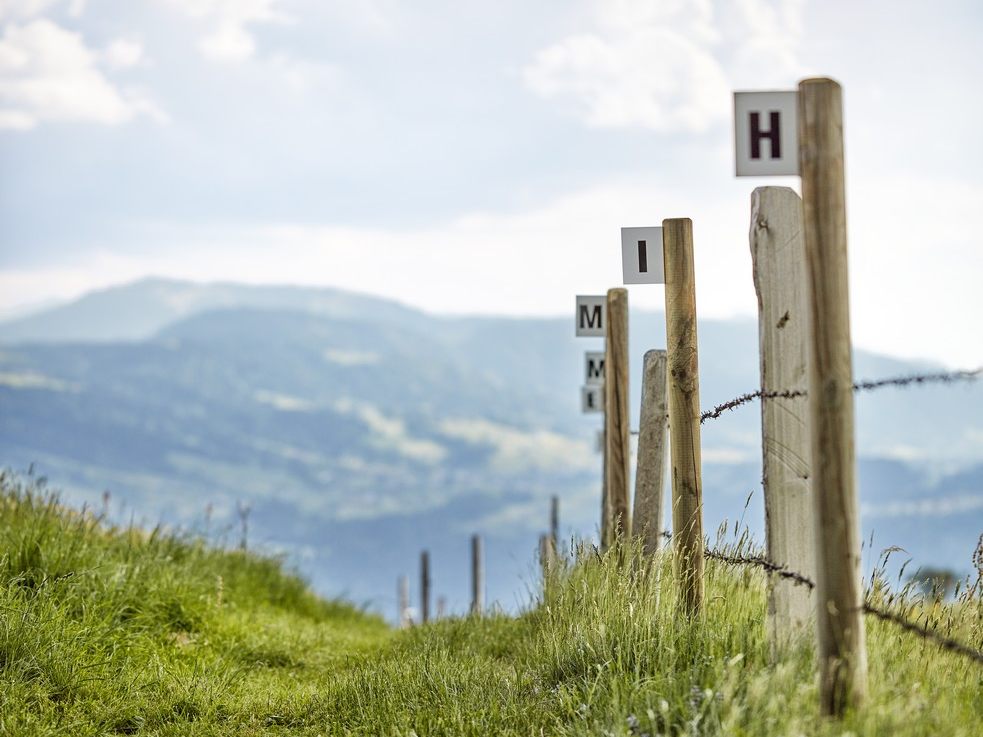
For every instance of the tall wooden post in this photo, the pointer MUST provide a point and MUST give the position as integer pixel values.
(477, 576)
(616, 419)
(547, 557)
(650, 467)
(839, 596)
(684, 410)
(424, 587)
(778, 255)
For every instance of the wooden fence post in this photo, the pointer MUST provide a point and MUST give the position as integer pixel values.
(403, 595)
(555, 522)
(839, 595)
(547, 556)
(650, 467)
(424, 587)
(616, 418)
(684, 410)
(477, 577)
(778, 255)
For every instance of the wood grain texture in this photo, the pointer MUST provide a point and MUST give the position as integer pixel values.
(684, 411)
(650, 465)
(616, 419)
(839, 620)
(779, 260)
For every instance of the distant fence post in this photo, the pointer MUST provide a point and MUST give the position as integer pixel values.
(403, 594)
(547, 557)
(424, 587)
(441, 607)
(555, 522)
(477, 576)
(684, 410)
(778, 255)
(650, 467)
(839, 596)
(616, 418)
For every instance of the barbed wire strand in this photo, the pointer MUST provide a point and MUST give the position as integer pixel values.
(866, 385)
(945, 643)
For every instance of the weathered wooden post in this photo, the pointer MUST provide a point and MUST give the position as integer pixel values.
(778, 255)
(616, 419)
(477, 576)
(839, 595)
(684, 410)
(424, 587)
(403, 595)
(650, 467)
(802, 133)
(441, 607)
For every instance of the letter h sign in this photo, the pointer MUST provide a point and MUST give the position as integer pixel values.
(766, 133)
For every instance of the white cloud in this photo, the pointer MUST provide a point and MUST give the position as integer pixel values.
(517, 450)
(389, 433)
(227, 37)
(25, 9)
(123, 53)
(668, 66)
(48, 74)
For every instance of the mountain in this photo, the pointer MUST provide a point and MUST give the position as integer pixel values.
(360, 431)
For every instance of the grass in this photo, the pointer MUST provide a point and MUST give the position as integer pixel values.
(118, 631)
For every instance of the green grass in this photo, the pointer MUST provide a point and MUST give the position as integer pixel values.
(118, 631)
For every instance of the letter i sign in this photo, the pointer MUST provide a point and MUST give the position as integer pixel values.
(766, 133)
(641, 256)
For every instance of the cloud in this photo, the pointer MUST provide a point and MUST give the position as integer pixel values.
(667, 66)
(228, 38)
(123, 53)
(516, 450)
(25, 9)
(390, 433)
(48, 74)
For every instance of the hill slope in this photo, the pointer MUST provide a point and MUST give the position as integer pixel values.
(358, 428)
(121, 631)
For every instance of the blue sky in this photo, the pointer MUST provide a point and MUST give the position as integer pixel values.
(478, 157)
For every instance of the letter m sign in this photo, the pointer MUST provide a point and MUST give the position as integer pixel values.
(591, 315)
(766, 133)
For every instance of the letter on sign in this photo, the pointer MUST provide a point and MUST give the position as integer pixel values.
(641, 256)
(591, 315)
(594, 368)
(766, 133)
(591, 399)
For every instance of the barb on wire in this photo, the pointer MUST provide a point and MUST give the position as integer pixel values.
(763, 563)
(945, 643)
(866, 385)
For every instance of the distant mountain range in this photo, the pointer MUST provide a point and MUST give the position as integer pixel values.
(361, 431)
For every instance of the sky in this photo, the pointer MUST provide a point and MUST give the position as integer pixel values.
(479, 158)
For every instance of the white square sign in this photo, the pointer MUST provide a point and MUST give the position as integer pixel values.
(594, 368)
(641, 256)
(766, 133)
(591, 399)
(591, 315)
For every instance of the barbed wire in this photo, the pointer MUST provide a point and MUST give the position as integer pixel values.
(923, 631)
(866, 385)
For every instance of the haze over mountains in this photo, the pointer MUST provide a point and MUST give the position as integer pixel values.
(361, 431)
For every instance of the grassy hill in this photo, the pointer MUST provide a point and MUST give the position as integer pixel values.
(109, 630)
